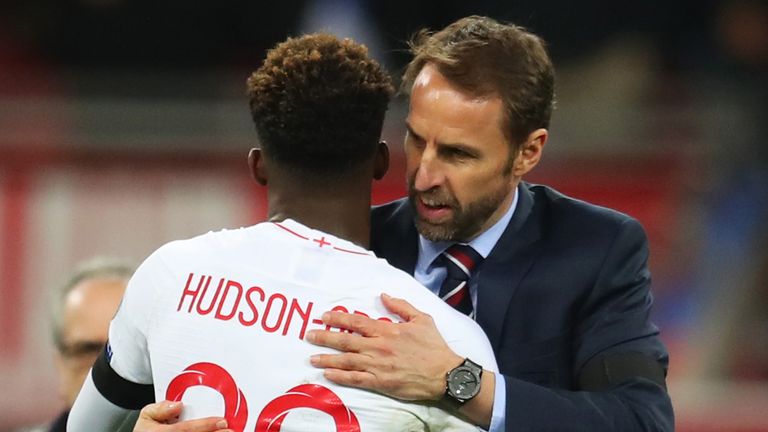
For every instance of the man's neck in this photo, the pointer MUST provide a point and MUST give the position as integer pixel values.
(482, 243)
(345, 212)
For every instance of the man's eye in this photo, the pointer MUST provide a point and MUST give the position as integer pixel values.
(79, 349)
(457, 153)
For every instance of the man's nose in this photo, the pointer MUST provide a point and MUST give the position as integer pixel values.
(429, 174)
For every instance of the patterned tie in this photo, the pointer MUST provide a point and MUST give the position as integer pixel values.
(459, 260)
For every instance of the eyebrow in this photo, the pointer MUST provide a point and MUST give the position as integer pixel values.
(412, 132)
(458, 145)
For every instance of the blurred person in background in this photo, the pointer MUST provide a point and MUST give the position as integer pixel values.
(81, 311)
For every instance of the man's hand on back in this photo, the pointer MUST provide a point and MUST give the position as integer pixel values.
(406, 360)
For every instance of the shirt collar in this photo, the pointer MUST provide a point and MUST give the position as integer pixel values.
(301, 231)
(483, 243)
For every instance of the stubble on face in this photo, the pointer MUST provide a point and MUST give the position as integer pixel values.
(467, 220)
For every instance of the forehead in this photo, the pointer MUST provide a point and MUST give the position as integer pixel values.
(91, 304)
(446, 113)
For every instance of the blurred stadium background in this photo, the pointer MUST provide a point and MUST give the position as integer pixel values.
(124, 124)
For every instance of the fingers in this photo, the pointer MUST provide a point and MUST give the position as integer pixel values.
(400, 307)
(154, 418)
(161, 411)
(357, 379)
(359, 324)
(208, 424)
(341, 341)
(347, 362)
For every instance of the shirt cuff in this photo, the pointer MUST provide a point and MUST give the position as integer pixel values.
(498, 418)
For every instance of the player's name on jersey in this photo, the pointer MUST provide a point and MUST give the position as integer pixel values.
(273, 312)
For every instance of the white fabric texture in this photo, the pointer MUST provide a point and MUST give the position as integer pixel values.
(92, 412)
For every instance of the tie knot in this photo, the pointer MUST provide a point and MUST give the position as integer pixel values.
(461, 260)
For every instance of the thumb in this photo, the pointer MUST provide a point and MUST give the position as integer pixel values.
(400, 307)
(161, 411)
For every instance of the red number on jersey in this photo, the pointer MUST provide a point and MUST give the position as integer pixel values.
(307, 396)
(271, 417)
(215, 377)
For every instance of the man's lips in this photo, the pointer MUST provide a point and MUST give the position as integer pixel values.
(432, 213)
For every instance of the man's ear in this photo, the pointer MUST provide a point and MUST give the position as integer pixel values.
(381, 161)
(257, 166)
(529, 153)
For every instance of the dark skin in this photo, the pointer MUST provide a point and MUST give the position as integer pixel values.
(341, 207)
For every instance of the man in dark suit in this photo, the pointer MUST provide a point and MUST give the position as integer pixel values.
(560, 286)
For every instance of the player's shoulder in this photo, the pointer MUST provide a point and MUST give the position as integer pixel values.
(212, 245)
(400, 284)
(212, 240)
(464, 335)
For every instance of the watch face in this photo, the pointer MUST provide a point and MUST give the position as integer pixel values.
(463, 383)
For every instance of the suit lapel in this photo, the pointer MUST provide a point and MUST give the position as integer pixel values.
(506, 266)
(395, 238)
(405, 252)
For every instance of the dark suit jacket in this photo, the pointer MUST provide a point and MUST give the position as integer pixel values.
(564, 298)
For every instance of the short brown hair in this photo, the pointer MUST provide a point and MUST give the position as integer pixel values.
(318, 103)
(485, 57)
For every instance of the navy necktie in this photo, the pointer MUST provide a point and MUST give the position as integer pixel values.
(460, 261)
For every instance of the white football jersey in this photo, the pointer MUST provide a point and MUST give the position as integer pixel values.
(218, 321)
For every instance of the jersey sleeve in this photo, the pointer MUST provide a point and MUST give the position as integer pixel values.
(127, 352)
(92, 412)
(122, 374)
